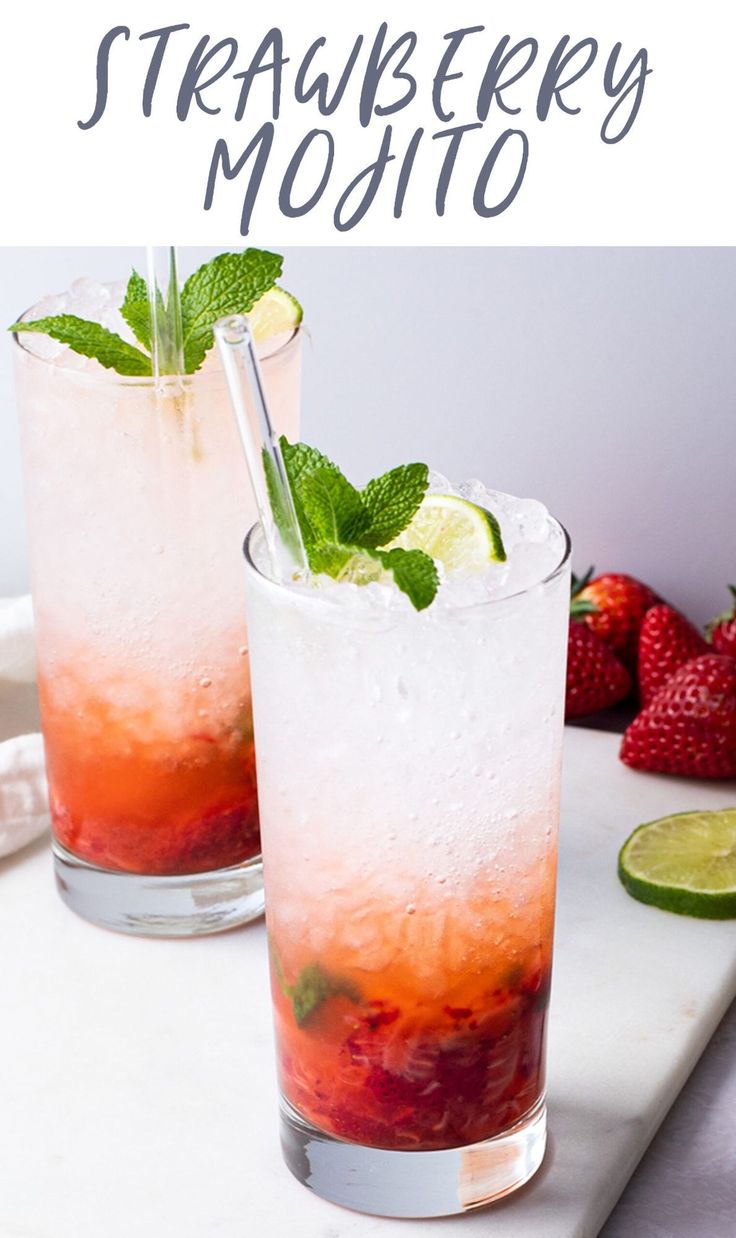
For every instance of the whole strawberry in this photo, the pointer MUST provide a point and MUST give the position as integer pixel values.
(667, 641)
(595, 677)
(621, 603)
(722, 630)
(690, 725)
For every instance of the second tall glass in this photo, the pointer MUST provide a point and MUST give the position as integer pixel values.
(408, 768)
(137, 503)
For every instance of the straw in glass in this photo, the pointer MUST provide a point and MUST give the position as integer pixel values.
(268, 475)
(164, 298)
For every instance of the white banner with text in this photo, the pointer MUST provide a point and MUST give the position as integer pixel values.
(404, 124)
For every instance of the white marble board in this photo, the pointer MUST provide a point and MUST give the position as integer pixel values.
(137, 1091)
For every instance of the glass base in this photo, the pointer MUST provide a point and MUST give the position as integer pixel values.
(183, 906)
(413, 1184)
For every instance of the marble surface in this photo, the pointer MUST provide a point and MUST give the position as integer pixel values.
(137, 1086)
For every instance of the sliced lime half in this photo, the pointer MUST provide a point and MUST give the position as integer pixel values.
(684, 863)
(277, 311)
(463, 537)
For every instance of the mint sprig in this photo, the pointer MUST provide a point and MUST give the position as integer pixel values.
(333, 510)
(231, 283)
(345, 529)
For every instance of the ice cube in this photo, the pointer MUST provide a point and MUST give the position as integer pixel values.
(113, 320)
(532, 520)
(438, 484)
(49, 307)
(88, 293)
(42, 345)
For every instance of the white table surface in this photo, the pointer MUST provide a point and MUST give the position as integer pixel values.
(137, 1090)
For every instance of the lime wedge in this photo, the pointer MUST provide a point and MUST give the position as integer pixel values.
(684, 863)
(463, 537)
(277, 311)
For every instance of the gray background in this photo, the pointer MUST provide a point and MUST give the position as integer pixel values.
(599, 380)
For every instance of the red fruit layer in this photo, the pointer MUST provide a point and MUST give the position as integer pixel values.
(125, 798)
(414, 1078)
(166, 848)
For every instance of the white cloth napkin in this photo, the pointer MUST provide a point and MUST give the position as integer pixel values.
(24, 811)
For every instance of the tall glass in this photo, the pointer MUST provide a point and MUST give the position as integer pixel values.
(137, 501)
(408, 768)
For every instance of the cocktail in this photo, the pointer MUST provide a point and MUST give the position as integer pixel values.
(138, 498)
(408, 752)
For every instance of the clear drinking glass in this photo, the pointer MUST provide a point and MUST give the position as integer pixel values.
(408, 768)
(138, 498)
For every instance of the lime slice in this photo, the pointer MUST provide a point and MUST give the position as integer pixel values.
(463, 537)
(684, 863)
(277, 311)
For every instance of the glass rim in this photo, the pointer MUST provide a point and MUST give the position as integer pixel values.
(314, 597)
(111, 377)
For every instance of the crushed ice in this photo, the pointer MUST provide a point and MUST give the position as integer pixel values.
(88, 299)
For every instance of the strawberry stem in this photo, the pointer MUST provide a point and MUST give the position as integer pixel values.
(579, 607)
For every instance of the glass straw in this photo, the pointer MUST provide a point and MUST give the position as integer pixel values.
(261, 445)
(167, 346)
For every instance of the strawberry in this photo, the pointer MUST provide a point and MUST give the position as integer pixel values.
(595, 677)
(667, 641)
(620, 603)
(722, 630)
(690, 725)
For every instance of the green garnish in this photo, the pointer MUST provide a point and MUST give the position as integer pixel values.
(228, 284)
(312, 988)
(345, 529)
(92, 340)
(684, 863)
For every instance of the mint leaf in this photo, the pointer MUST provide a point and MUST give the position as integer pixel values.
(300, 462)
(414, 573)
(281, 516)
(92, 340)
(332, 559)
(332, 508)
(229, 284)
(392, 500)
(310, 991)
(313, 987)
(136, 310)
(301, 459)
